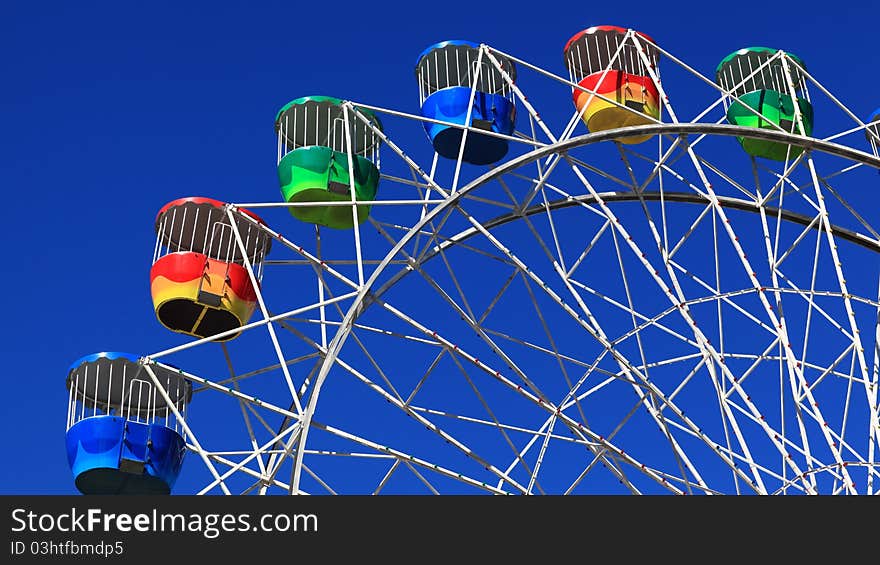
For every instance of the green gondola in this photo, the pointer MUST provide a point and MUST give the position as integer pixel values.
(761, 97)
(313, 160)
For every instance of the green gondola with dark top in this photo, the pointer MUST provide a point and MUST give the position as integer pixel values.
(761, 97)
(313, 160)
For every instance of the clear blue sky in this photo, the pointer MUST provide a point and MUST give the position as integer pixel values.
(108, 110)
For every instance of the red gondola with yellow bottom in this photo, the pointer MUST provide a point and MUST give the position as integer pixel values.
(613, 68)
(199, 280)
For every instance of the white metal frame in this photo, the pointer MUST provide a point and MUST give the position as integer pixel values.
(818, 432)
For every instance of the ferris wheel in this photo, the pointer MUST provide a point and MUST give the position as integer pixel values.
(677, 290)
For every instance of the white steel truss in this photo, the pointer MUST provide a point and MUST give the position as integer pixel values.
(585, 316)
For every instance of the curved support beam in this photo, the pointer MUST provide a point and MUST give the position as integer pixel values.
(684, 129)
(614, 197)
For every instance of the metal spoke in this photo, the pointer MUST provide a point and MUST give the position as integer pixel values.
(646, 308)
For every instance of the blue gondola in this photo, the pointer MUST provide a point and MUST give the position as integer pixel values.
(122, 438)
(446, 72)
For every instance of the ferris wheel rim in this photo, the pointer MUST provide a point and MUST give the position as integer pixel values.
(361, 300)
